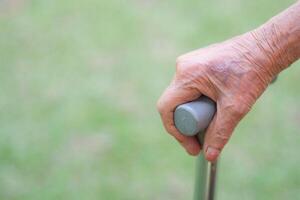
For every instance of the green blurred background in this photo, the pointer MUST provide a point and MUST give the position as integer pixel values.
(79, 82)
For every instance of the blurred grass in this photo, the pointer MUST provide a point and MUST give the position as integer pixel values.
(79, 81)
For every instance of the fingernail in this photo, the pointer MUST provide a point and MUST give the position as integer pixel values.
(212, 153)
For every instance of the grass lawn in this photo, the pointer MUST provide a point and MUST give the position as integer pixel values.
(79, 82)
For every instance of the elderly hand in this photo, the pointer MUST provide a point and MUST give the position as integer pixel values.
(234, 74)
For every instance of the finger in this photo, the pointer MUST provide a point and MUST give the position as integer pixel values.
(171, 98)
(220, 130)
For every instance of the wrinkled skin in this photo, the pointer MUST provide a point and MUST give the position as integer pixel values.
(234, 74)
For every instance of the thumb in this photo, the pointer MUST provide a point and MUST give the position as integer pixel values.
(220, 129)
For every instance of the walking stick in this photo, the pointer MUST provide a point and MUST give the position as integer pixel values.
(192, 119)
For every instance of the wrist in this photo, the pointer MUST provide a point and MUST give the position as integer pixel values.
(280, 45)
(279, 39)
(272, 49)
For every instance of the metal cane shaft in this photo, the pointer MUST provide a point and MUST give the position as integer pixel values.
(206, 176)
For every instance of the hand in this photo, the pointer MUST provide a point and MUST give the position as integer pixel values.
(233, 73)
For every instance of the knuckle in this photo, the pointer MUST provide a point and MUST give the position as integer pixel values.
(169, 129)
(179, 140)
(172, 131)
(180, 67)
(219, 140)
(179, 60)
(236, 109)
(160, 106)
(222, 136)
(183, 66)
(240, 110)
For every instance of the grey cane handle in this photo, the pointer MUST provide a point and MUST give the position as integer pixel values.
(194, 117)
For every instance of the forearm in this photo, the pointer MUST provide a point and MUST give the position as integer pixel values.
(279, 39)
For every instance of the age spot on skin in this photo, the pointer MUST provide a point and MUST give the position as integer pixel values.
(225, 72)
